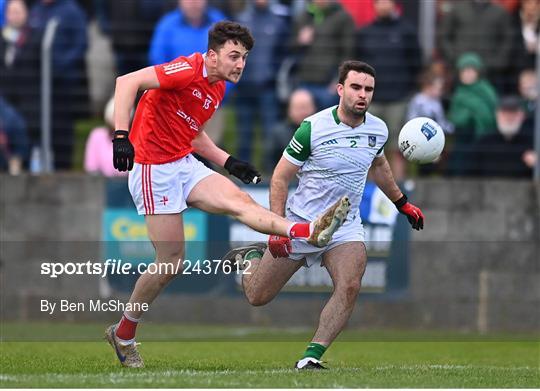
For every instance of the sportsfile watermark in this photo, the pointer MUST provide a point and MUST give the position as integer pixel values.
(118, 267)
(58, 291)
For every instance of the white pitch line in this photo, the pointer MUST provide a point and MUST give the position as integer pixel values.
(150, 376)
(452, 367)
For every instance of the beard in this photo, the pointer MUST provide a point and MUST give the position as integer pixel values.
(509, 130)
(354, 112)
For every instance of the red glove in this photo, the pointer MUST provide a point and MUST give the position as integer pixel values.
(413, 213)
(279, 246)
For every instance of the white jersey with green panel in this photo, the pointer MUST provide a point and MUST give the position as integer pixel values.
(334, 160)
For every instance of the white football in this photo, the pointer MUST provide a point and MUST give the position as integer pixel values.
(421, 140)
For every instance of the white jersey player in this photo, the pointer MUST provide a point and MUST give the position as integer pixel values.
(331, 153)
(333, 160)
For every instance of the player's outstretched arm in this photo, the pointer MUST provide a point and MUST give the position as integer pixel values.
(205, 147)
(382, 175)
(244, 171)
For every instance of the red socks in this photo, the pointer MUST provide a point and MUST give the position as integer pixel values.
(126, 328)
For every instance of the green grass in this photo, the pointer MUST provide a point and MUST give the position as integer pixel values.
(158, 332)
(384, 359)
(82, 130)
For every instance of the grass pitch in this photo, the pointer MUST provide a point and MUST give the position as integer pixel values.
(364, 359)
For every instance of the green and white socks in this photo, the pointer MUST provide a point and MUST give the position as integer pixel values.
(253, 254)
(314, 350)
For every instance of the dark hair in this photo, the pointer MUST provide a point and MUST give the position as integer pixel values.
(428, 77)
(353, 65)
(226, 30)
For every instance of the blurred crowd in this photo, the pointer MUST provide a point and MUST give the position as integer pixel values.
(479, 83)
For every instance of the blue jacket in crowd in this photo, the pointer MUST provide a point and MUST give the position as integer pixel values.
(174, 37)
(2, 12)
(13, 129)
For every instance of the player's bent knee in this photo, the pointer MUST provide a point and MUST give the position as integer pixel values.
(171, 257)
(165, 279)
(168, 269)
(258, 299)
(350, 291)
(166, 275)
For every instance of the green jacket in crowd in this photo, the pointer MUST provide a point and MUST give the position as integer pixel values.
(472, 110)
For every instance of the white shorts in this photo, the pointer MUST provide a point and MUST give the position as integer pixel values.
(351, 231)
(164, 188)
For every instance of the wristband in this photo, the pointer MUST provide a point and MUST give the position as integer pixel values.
(400, 202)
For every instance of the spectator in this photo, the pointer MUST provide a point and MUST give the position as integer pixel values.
(2, 11)
(442, 70)
(69, 86)
(12, 42)
(256, 92)
(183, 31)
(528, 91)
(427, 102)
(362, 11)
(509, 5)
(131, 25)
(390, 44)
(505, 153)
(13, 139)
(13, 30)
(472, 109)
(230, 8)
(301, 105)
(19, 67)
(323, 37)
(478, 26)
(98, 155)
(526, 28)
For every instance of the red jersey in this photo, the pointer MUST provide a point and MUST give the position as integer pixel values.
(168, 118)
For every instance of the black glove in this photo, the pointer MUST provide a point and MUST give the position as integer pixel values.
(242, 170)
(413, 213)
(123, 152)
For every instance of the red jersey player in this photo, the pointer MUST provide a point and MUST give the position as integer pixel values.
(165, 178)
